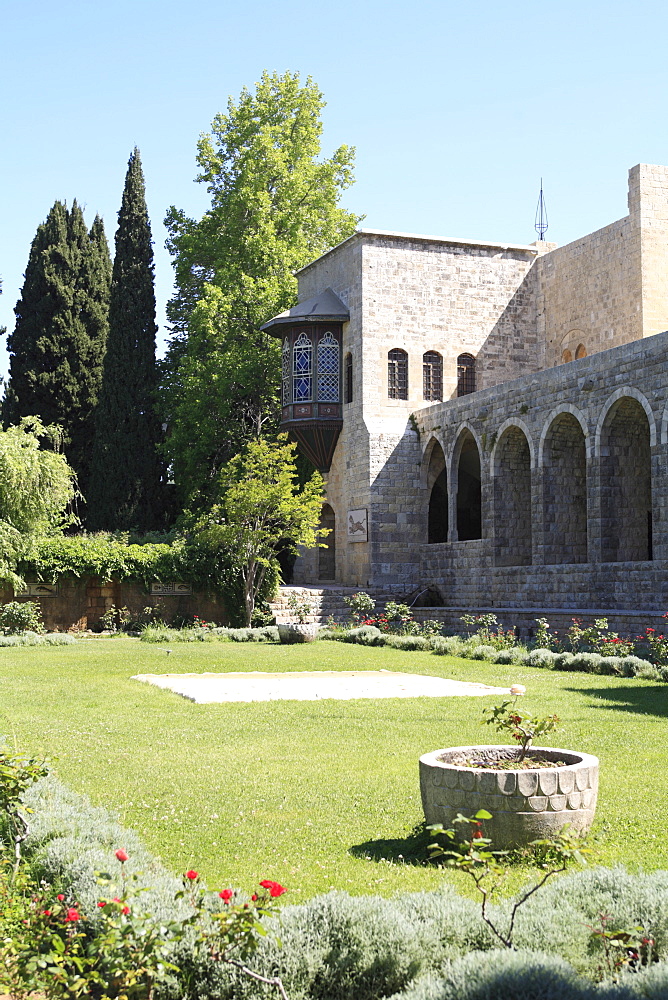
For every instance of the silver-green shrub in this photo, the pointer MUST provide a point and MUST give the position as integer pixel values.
(545, 658)
(503, 975)
(634, 666)
(481, 653)
(448, 645)
(409, 642)
(516, 654)
(589, 662)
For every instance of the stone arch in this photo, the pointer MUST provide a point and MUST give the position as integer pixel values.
(563, 459)
(625, 390)
(580, 352)
(557, 411)
(626, 481)
(512, 422)
(511, 469)
(435, 479)
(467, 472)
(327, 555)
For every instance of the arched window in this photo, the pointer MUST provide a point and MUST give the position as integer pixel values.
(566, 356)
(397, 374)
(465, 374)
(328, 369)
(349, 378)
(432, 376)
(302, 370)
(287, 397)
(580, 352)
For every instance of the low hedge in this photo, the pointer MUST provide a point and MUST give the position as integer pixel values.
(473, 649)
(415, 946)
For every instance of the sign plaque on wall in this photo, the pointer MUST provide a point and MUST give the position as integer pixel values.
(171, 589)
(33, 589)
(358, 525)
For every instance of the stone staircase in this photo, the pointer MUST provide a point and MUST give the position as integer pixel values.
(326, 602)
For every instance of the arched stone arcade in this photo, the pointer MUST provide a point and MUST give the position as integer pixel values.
(564, 457)
(626, 483)
(512, 499)
(469, 491)
(437, 486)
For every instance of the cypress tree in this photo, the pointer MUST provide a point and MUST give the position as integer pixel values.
(58, 342)
(126, 487)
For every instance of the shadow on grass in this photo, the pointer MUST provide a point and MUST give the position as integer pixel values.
(410, 850)
(643, 700)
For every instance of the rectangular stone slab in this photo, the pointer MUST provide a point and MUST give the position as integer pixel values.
(313, 685)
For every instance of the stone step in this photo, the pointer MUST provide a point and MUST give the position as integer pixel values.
(326, 602)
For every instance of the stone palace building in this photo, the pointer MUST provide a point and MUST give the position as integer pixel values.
(491, 419)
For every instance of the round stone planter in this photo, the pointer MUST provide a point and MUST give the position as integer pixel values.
(291, 632)
(525, 805)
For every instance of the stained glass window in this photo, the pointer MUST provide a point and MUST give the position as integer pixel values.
(286, 372)
(302, 370)
(328, 369)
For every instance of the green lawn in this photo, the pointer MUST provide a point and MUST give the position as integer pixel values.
(317, 795)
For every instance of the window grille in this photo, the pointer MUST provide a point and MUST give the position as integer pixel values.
(465, 374)
(302, 370)
(328, 369)
(397, 374)
(432, 375)
(349, 378)
(287, 398)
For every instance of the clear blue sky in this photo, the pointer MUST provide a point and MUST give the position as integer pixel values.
(456, 109)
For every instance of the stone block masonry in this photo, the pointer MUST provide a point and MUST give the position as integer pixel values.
(545, 487)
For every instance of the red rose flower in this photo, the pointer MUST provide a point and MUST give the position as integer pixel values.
(60, 897)
(254, 897)
(125, 910)
(192, 875)
(72, 915)
(46, 913)
(226, 895)
(102, 903)
(121, 855)
(275, 889)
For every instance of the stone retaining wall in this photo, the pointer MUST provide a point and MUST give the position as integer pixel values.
(79, 604)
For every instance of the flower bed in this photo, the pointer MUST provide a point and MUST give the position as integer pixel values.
(414, 946)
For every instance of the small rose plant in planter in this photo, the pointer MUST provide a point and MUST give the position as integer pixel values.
(523, 727)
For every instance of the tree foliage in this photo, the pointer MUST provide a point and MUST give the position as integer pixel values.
(58, 343)
(261, 510)
(36, 491)
(126, 487)
(274, 208)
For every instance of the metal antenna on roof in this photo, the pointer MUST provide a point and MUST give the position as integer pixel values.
(540, 224)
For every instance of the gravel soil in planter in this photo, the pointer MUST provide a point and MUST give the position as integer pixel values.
(525, 804)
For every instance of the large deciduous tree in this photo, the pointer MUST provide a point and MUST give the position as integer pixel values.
(36, 491)
(260, 511)
(58, 343)
(126, 482)
(274, 208)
